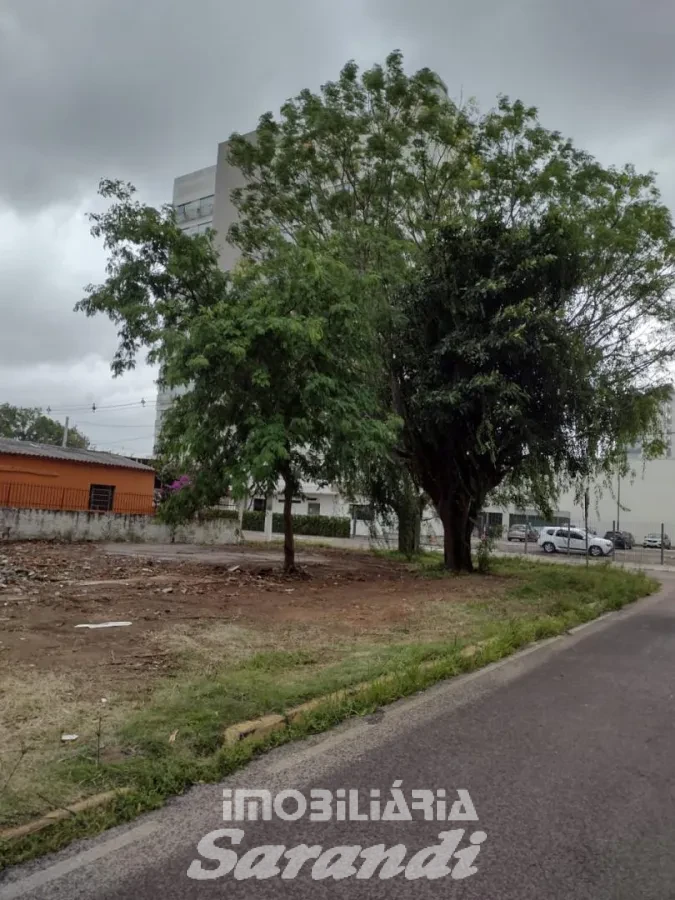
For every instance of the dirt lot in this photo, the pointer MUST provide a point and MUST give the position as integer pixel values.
(198, 617)
(220, 636)
(50, 589)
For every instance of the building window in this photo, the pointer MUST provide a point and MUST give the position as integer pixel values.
(196, 229)
(314, 509)
(101, 497)
(258, 504)
(362, 512)
(195, 209)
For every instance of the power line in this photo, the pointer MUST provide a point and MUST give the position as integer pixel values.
(93, 406)
(128, 440)
(113, 424)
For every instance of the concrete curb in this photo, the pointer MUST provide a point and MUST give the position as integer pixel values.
(266, 725)
(58, 815)
(257, 728)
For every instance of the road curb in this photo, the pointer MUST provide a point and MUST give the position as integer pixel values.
(58, 815)
(266, 725)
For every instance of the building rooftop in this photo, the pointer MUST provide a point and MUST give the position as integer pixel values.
(69, 454)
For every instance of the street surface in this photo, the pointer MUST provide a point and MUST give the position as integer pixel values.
(566, 750)
(637, 556)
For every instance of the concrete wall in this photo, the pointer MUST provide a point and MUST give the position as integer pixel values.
(646, 499)
(43, 524)
(194, 185)
(224, 212)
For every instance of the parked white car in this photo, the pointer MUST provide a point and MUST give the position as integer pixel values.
(558, 540)
(654, 541)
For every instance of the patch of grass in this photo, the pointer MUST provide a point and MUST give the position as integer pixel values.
(279, 660)
(174, 740)
(423, 561)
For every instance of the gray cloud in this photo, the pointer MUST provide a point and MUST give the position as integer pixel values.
(601, 72)
(119, 423)
(46, 260)
(145, 91)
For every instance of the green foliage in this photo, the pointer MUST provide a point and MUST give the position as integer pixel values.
(373, 159)
(370, 163)
(379, 161)
(26, 424)
(325, 526)
(276, 355)
(484, 552)
(253, 520)
(299, 358)
(486, 374)
(621, 308)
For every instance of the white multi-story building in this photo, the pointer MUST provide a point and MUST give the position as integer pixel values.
(202, 201)
(193, 200)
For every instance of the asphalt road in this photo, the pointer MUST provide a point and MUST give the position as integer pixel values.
(567, 751)
(637, 556)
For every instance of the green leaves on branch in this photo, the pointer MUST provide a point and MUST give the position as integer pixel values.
(25, 424)
(276, 355)
(473, 276)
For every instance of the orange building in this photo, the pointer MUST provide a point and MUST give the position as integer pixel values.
(40, 476)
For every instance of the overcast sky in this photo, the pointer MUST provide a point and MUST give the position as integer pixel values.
(145, 90)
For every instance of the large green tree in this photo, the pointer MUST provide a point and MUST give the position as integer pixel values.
(29, 424)
(276, 354)
(490, 380)
(379, 161)
(372, 164)
(621, 308)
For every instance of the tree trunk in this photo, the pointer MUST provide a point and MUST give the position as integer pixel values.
(457, 519)
(409, 514)
(289, 543)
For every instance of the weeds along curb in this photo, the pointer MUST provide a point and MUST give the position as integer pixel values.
(58, 815)
(246, 740)
(266, 725)
(297, 721)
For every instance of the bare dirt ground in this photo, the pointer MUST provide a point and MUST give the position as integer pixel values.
(217, 635)
(195, 613)
(50, 588)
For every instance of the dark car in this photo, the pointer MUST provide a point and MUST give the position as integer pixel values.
(622, 540)
(522, 533)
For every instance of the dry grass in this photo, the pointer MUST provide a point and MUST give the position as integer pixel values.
(34, 712)
(224, 671)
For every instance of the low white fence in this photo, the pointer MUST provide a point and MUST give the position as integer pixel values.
(47, 524)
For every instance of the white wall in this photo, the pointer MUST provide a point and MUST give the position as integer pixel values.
(328, 500)
(224, 212)
(194, 185)
(45, 524)
(647, 498)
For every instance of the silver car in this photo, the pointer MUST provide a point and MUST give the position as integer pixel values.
(653, 541)
(522, 533)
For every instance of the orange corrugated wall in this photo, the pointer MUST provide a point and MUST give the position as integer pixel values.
(58, 473)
